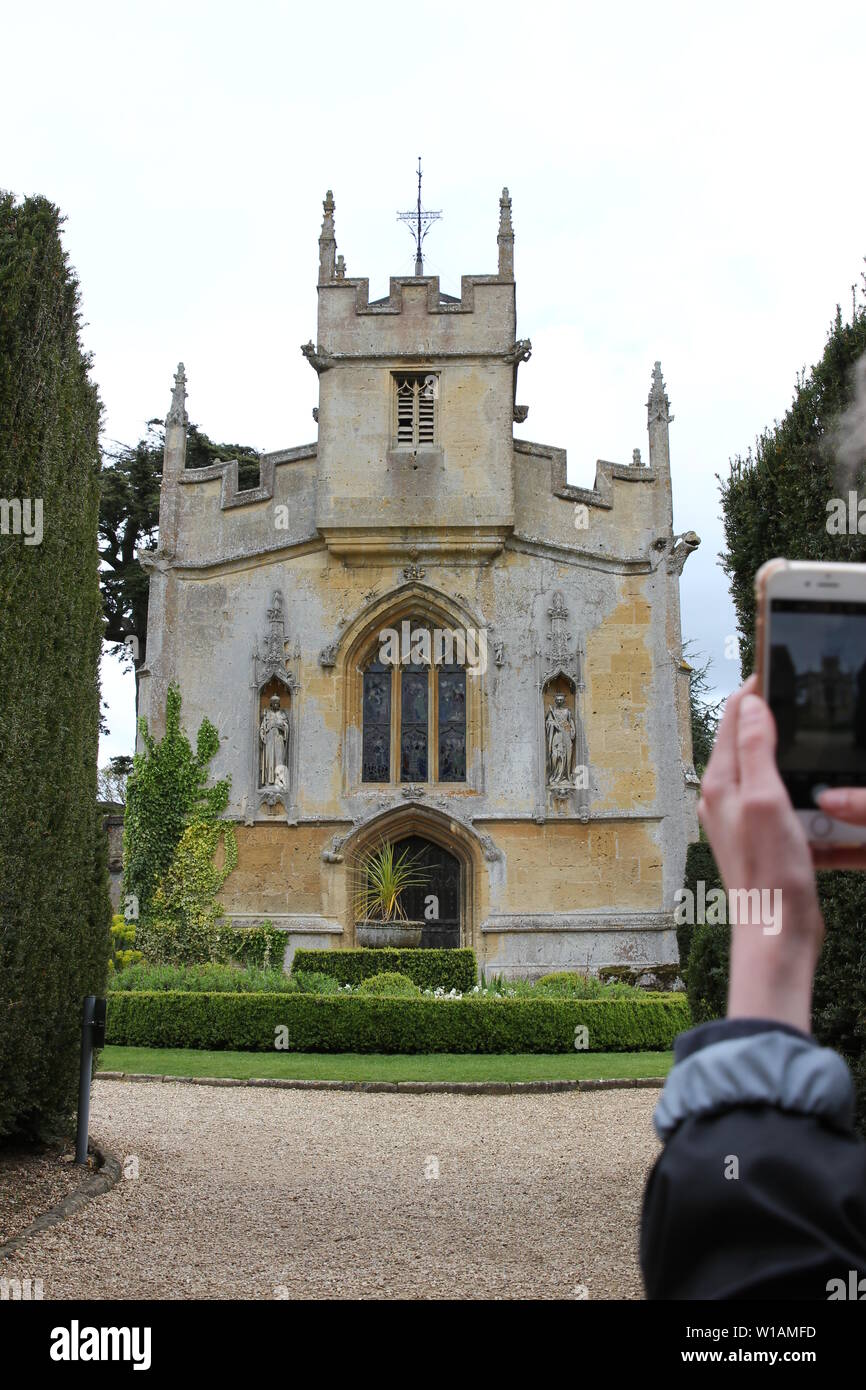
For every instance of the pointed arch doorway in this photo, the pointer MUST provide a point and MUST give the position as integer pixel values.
(443, 874)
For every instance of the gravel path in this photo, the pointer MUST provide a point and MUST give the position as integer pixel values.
(247, 1193)
(31, 1181)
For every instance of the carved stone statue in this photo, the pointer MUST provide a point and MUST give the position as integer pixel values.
(561, 735)
(274, 739)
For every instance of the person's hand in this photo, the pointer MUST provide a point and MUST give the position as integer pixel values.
(759, 844)
(847, 804)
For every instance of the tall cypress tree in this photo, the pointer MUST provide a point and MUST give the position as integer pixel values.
(54, 906)
(775, 502)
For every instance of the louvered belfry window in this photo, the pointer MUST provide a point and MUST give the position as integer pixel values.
(416, 408)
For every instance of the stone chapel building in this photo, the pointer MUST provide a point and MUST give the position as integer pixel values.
(416, 630)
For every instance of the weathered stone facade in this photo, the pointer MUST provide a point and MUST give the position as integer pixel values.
(570, 820)
(113, 827)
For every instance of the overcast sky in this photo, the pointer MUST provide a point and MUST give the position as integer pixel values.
(687, 183)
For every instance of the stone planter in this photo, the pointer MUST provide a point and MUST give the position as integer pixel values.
(398, 934)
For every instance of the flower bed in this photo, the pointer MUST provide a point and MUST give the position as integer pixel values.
(431, 969)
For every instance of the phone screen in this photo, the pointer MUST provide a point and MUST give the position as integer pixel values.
(817, 692)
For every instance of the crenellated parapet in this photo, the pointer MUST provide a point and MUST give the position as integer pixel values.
(435, 301)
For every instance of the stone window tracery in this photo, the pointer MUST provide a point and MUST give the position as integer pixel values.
(414, 717)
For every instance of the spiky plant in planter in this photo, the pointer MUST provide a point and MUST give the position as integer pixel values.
(383, 878)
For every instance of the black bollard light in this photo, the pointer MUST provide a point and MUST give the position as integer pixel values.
(92, 1036)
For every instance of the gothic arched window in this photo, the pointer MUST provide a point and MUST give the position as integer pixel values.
(414, 718)
(377, 722)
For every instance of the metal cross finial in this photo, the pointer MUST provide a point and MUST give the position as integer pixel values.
(419, 223)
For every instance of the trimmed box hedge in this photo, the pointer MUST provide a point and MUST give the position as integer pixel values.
(452, 969)
(324, 1023)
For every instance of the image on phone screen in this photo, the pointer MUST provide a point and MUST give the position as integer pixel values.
(817, 692)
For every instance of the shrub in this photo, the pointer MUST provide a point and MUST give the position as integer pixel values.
(663, 977)
(389, 982)
(123, 953)
(313, 982)
(54, 904)
(354, 1023)
(213, 978)
(700, 868)
(571, 984)
(707, 977)
(452, 969)
(262, 947)
(839, 1004)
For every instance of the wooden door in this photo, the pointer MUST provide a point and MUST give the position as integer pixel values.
(442, 872)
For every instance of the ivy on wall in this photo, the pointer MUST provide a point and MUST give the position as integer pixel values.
(184, 906)
(167, 794)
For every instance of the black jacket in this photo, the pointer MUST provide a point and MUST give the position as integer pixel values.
(760, 1191)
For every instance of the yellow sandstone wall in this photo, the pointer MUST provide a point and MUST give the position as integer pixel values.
(619, 677)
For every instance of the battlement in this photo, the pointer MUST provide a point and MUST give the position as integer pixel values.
(416, 319)
(430, 323)
(437, 302)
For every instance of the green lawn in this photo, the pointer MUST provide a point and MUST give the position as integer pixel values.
(355, 1066)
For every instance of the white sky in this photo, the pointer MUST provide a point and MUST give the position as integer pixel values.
(687, 183)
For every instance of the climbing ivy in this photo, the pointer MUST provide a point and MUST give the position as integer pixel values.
(185, 913)
(167, 794)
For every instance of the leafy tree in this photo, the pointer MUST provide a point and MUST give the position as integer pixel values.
(775, 502)
(705, 713)
(54, 904)
(112, 779)
(129, 521)
(774, 499)
(166, 792)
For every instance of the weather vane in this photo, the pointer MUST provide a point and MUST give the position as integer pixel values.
(419, 223)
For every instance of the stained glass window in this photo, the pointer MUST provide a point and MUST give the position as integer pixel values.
(452, 724)
(377, 723)
(414, 703)
(397, 704)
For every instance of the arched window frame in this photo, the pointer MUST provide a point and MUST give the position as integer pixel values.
(398, 722)
(361, 643)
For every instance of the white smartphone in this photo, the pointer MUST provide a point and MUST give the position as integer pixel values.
(810, 656)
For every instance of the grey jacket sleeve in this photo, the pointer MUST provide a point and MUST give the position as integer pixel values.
(760, 1190)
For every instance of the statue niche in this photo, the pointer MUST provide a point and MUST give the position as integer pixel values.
(563, 774)
(274, 741)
